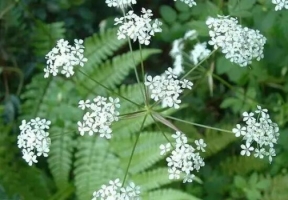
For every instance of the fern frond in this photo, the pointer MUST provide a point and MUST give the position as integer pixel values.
(61, 154)
(146, 153)
(112, 73)
(133, 93)
(153, 179)
(168, 194)
(95, 165)
(217, 141)
(46, 35)
(99, 47)
(242, 165)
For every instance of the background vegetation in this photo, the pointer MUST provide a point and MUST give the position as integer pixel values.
(77, 166)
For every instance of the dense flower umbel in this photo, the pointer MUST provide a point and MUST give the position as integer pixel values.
(64, 58)
(280, 4)
(184, 158)
(120, 3)
(260, 131)
(177, 51)
(199, 53)
(240, 45)
(138, 28)
(167, 88)
(102, 113)
(33, 139)
(189, 2)
(114, 191)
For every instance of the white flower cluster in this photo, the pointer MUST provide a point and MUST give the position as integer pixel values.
(183, 159)
(177, 49)
(200, 52)
(65, 56)
(135, 27)
(33, 139)
(189, 2)
(259, 129)
(102, 112)
(240, 45)
(176, 54)
(167, 88)
(114, 191)
(120, 3)
(280, 4)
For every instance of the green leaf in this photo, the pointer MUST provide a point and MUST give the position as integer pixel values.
(168, 14)
(240, 182)
(168, 194)
(200, 27)
(45, 36)
(182, 7)
(240, 8)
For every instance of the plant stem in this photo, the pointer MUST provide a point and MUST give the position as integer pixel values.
(133, 150)
(134, 62)
(158, 126)
(143, 75)
(109, 89)
(191, 70)
(199, 125)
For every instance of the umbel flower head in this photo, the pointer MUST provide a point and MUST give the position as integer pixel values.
(280, 4)
(33, 139)
(136, 27)
(114, 191)
(240, 45)
(120, 3)
(64, 57)
(199, 53)
(167, 88)
(102, 113)
(184, 159)
(260, 134)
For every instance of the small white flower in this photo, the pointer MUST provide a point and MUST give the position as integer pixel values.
(84, 104)
(200, 145)
(165, 148)
(259, 153)
(239, 130)
(246, 149)
(280, 4)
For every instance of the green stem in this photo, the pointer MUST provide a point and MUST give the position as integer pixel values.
(191, 70)
(199, 125)
(109, 89)
(133, 150)
(134, 62)
(158, 126)
(143, 75)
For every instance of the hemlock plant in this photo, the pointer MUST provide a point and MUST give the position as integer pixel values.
(160, 93)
